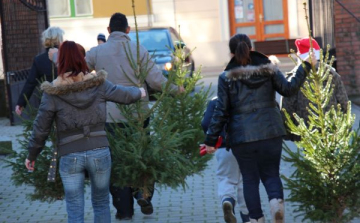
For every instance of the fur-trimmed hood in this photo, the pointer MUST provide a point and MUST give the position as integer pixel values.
(79, 90)
(256, 73)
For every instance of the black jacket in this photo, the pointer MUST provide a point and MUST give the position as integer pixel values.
(79, 110)
(246, 101)
(42, 68)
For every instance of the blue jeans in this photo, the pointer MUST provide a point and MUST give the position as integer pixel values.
(260, 160)
(72, 170)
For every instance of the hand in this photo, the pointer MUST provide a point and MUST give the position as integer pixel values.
(18, 109)
(29, 164)
(143, 92)
(181, 89)
(311, 58)
(210, 149)
(51, 53)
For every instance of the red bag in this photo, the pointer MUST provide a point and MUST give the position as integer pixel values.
(203, 148)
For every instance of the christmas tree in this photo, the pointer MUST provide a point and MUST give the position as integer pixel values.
(43, 189)
(167, 150)
(325, 185)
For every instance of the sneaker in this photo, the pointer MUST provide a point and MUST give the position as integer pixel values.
(245, 217)
(228, 209)
(146, 206)
(119, 217)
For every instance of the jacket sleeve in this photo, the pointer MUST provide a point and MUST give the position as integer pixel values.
(31, 82)
(221, 113)
(339, 91)
(90, 59)
(207, 115)
(287, 88)
(155, 79)
(41, 127)
(121, 94)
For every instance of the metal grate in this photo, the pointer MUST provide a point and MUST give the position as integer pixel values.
(36, 5)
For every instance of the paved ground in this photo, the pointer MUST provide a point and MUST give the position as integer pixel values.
(198, 203)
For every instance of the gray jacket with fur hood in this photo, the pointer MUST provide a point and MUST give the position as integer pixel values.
(247, 103)
(78, 106)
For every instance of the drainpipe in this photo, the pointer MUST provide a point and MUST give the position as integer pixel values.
(175, 22)
(311, 17)
(149, 13)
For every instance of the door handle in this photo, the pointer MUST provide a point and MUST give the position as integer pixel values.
(261, 17)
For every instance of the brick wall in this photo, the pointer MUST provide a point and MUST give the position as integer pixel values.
(347, 41)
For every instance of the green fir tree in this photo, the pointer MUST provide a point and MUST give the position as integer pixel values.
(325, 186)
(43, 190)
(167, 150)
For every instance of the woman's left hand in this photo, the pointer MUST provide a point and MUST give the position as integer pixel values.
(210, 149)
(29, 164)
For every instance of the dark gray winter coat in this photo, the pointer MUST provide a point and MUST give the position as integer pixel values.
(246, 101)
(78, 106)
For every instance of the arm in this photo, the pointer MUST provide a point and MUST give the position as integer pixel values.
(340, 91)
(31, 82)
(287, 88)
(90, 59)
(207, 115)
(221, 114)
(121, 94)
(41, 127)
(155, 79)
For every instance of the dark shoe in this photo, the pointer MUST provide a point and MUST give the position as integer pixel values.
(228, 209)
(245, 217)
(146, 206)
(118, 216)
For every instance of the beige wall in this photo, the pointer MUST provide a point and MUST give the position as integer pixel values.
(105, 8)
(204, 24)
(297, 22)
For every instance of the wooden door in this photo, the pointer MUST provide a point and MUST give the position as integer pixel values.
(260, 19)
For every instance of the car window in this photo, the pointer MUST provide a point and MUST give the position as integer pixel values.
(174, 37)
(152, 40)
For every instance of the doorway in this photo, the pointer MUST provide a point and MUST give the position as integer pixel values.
(261, 20)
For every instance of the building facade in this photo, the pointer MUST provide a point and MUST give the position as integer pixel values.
(204, 24)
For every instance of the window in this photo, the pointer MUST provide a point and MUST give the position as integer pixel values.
(59, 8)
(70, 8)
(83, 7)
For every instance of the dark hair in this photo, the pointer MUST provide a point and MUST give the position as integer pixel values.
(240, 46)
(118, 22)
(71, 59)
(81, 49)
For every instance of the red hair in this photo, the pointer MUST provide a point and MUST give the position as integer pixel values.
(71, 59)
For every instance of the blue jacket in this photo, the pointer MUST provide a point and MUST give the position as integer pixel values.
(207, 119)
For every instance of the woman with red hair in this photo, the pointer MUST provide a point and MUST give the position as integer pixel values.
(76, 101)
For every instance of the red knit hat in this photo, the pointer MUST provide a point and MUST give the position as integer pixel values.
(303, 47)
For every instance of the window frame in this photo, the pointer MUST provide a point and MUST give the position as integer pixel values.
(73, 14)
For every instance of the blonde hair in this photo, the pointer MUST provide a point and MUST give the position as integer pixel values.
(52, 36)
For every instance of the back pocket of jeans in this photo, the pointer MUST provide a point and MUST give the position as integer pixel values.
(103, 164)
(68, 165)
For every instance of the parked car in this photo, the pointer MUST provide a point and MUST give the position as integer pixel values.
(160, 42)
